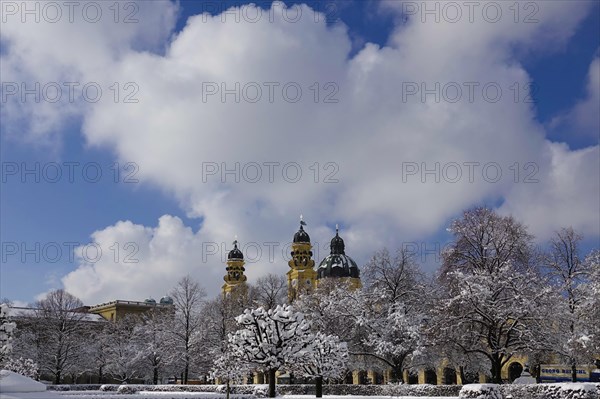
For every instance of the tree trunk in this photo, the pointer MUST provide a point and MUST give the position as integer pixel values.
(574, 372)
(272, 383)
(155, 376)
(185, 373)
(319, 387)
(496, 370)
(463, 378)
(228, 389)
(57, 378)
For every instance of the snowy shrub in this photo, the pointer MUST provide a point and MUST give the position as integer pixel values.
(7, 328)
(221, 389)
(517, 391)
(26, 367)
(481, 391)
(109, 387)
(571, 391)
(262, 391)
(127, 389)
(550, 391)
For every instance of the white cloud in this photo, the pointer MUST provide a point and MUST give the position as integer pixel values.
(370, 136)
(583, 118)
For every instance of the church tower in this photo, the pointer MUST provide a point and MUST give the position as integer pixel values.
(301, 276)
(235, 270)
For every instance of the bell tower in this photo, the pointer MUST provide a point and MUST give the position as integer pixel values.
(301, 276)
(235, 270)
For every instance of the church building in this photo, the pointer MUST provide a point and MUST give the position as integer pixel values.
(302, 276)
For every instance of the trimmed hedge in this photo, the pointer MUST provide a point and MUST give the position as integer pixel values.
(260, 391)
(76, 387)
(534, 391)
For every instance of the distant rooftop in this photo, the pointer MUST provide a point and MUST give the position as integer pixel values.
(129, 303)
(17, 312)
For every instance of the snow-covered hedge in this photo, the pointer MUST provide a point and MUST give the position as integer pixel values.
(551, 391)
(260, 391)
(534, 391)
(297, 389)
(481, 391)
(82, 387)
(108, 388)
(571, 391)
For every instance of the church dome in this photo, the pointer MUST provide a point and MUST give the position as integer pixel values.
(235, 253)
(166, 300)
(301, 236)
(337, 263)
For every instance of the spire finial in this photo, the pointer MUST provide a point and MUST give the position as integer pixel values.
(235, 241)
(302, 222)
(337, 228)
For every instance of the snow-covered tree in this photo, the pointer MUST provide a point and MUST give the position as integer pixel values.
(327, 308)
(188, 298)
(26, 367)
(392, 310)
(590, 309)
(124, 357)
(397, 277)
(151, 336)
(393, 332)
(566, 272)
(218, 321)
(269, 291)
(493, 301)
(325, 358)
(56, 334)
(96, 350)
(7, 328)
(228, 367)
(381, 323)
(269, 339)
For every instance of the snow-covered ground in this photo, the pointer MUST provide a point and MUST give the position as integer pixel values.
(178, 395)
(368, 397)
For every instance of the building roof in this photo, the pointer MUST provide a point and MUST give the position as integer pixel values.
(17, 312)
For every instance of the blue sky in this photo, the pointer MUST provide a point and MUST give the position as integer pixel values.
(45, 212)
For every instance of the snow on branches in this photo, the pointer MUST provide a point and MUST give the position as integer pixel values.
(7, 328)
(493, 301)
(326, 357)
(270, 339)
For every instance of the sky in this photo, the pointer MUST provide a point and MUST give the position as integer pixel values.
(138, 139)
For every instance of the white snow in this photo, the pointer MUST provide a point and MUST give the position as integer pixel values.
(525, 378)
(574, 386)
(367, 397)
(477, 387)
(12, 382)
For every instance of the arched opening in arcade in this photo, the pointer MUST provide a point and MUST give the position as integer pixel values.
(413, 377)
(449, 376)
(430, 377)
(514, 371)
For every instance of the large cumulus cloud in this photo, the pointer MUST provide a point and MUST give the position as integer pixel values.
(370, 146)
